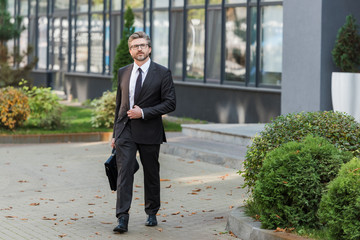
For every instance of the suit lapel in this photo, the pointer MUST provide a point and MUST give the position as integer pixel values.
(125, 82)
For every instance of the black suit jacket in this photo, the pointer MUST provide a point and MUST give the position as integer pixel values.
(156, 98)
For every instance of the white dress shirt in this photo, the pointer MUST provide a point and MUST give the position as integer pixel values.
(133, 77)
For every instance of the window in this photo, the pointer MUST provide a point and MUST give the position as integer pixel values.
(160, 39)
(213, 60)
(176, 42)
(235, 53)
(82, 43)
(195, 44)
(271, 45)
(96, 44)
(42, 42)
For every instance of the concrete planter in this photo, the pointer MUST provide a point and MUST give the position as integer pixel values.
(345, 92)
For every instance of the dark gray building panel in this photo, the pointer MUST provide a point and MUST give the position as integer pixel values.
(226, 104)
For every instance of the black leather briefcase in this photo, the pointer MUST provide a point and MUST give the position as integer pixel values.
(111, 170)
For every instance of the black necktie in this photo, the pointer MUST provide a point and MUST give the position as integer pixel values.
(138, 85)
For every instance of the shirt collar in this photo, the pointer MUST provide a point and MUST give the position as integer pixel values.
(144, 67)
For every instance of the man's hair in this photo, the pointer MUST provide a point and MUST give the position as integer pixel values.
(137, 35)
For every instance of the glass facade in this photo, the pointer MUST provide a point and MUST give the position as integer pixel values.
(232, 42)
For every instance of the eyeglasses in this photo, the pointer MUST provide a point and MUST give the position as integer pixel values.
(136, 47)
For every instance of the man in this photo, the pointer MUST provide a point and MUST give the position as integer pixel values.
(143, 96)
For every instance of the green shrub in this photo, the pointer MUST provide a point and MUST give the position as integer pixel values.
(338, 128)
(346, 53)
(340, 205)
(291, 182)
(14, 107)
(45, 107)
(104, 112)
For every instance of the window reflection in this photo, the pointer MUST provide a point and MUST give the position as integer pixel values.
(176, 41)
(42, 43)
(96, 47)
(97, 5)
(214, 46)
(160, 39)
(195, 44)
(235, 55)
(61, 4)
(82, 43)
(271, 45)
(82, 6)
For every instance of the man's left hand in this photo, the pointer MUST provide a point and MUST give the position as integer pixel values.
(135, 112)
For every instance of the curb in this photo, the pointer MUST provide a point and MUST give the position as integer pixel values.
(246, 228)
(55, 138)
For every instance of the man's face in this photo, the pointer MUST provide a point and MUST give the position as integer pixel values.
(139, 50)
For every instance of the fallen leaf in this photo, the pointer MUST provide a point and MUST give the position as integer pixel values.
(178, 227)
(98, 196)
(197, 190)
(218, 217)
(91, 212)
(168, 186)
(190, 162)
(91, 203)
(175, 213)
(231, 207)
(163, 221)
(193, 193)
(23, 219)
(11, 216)
(74, 219)
(47, 218)
(62, 235)
(160, 229)
(137, 198)
(164, 180)
(138, 186)
(23, 181)
(34, 204)
(106, 222)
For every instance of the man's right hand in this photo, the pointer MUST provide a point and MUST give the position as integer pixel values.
(113, 142)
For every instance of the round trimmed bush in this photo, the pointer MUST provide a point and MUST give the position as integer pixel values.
(14, 107)
(291, 182)
(340, 205)
(338, 128)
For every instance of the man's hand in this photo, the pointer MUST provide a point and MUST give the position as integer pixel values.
(135, 112)
(113, 142)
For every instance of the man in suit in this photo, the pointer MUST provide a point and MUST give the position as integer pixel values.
(145, 92)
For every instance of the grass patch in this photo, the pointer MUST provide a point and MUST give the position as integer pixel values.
(78, 121)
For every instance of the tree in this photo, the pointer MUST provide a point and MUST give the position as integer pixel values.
(122, 56)
(346, 53)
(10, 76)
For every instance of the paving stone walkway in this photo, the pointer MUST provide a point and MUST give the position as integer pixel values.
(60, 191)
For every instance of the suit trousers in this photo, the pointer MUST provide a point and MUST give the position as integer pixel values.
(127, 165)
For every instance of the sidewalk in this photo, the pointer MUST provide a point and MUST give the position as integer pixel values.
(60, 191)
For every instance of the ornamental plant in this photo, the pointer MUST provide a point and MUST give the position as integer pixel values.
(340, 205)
(45, 107)
(291, 182)
(14, 107)
(104, 112)
(338, 128)
(346, 53)
(122, 55)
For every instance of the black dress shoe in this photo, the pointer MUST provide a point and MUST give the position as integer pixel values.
(151, 221)
(123, 225)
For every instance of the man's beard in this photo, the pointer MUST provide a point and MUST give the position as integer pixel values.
(141, 57)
